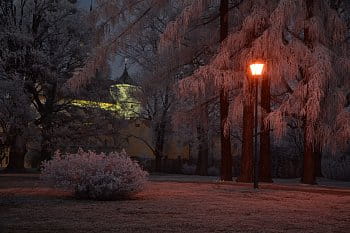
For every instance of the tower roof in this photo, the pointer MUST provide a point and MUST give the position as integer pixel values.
(125, 78)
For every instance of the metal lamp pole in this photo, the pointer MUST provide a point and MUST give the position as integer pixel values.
(256, 70)
(256, 162)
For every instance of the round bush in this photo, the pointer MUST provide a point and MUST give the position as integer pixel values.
(95, 176)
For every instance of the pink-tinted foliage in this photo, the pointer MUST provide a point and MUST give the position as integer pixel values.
(95, 176)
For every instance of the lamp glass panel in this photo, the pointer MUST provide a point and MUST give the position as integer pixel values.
(256, 69)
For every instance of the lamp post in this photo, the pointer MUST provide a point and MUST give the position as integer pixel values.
(256, 70)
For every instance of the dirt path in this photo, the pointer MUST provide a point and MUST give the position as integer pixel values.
(28, 206)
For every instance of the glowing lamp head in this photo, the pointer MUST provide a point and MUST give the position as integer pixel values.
(257, 69)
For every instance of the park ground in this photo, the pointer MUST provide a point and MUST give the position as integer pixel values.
(176, 203)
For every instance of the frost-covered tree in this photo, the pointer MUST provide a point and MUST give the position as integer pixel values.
(209, 16)
(112, 22)
(42, 44)
(188, 36)
(157, 101)
(160, 70)
(155, 91)
(305, 48)
(129, 29)
(15, 116)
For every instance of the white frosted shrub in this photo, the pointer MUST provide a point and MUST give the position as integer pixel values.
(95, 176)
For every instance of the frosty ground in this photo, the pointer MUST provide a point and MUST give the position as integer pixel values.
(177, 204)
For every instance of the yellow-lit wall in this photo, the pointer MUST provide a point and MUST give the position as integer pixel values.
(136, 147)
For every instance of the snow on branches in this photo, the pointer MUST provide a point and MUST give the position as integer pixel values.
(303, 48)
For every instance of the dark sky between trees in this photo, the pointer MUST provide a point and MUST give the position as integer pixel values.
(117, 66)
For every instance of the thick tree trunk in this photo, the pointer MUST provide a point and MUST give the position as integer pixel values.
(226, 158)
(18, 149)
(309, 162)
(308, 176)
(223, 19)
(246, 171)
(265, 154)
(203, 146)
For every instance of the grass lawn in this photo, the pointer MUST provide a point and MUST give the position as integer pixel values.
(26, 205)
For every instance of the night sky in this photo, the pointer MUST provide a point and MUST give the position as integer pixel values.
(117, 66)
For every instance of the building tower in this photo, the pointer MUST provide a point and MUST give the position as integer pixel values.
(123, 92)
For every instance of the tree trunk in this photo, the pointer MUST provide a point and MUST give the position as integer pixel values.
(159, 145)
(309, 162)
(159, 133)
(246, 171)
(158, 167)
(203, 147)
(308, 176)
(226, 158)
(318, 158)
(46, 150)
(265, 153)
(159, 153)
(202, 160)
(2, 152)
(18, 149)
(45, 154)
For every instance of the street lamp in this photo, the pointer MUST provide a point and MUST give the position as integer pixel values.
(256, 70)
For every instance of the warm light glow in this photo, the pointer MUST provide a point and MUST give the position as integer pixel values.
(125, 105)
(122, 109)
(257, 69)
